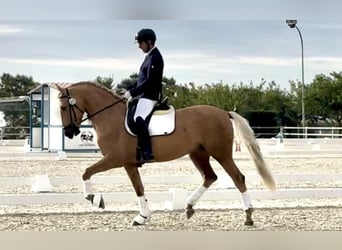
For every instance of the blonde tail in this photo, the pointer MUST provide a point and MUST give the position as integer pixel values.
(246, 134)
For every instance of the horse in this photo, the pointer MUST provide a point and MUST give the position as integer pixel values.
(201, 131)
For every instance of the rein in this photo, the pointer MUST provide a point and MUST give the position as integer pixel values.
(72, 104)
(99, 111)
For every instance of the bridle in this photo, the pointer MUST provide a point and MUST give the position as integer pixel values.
(73, 127)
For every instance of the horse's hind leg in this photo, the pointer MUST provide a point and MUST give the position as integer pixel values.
(201, 160)
(239, 181)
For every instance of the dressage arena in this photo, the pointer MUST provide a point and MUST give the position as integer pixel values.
(308, 174)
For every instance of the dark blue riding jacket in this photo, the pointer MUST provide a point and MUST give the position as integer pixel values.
(149, 83)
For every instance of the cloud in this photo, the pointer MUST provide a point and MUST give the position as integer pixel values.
(94, 63)
(334, 60)
(183, 66)
(178, 61)
(327, 64)
(194, 59)
(191, 60)
(8, 29)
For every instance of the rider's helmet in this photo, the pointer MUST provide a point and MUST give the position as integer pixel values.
(145, 35)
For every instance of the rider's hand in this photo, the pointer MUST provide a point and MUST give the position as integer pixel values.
(127, 94)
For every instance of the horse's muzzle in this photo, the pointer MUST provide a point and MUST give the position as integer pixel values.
(71, 130)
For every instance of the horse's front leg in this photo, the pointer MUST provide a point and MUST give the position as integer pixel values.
(100, 166)
(144, 212)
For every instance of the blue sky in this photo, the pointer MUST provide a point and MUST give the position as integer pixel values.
(66, 48)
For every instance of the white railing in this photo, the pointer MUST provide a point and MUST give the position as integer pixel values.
(14, 132)
(299, 132)
(312, 132)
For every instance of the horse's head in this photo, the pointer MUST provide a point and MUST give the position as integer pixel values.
(71, 111)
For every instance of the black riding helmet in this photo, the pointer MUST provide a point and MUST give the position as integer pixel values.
(146, 34)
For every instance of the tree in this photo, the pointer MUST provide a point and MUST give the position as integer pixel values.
(296, 99)
(324, 97)
(16, 115)
(280, 103)
(128, 82)
(169, 82)
(105, 81)
(19, 85)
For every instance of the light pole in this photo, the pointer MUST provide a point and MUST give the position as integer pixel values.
(292, 24)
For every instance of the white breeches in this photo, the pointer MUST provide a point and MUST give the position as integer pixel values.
(144, 108)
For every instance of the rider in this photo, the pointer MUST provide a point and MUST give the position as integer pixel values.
(148, 90)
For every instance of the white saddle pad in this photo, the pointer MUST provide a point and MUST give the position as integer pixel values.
(162, 122)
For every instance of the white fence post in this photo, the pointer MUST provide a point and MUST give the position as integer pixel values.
(178, 200)
(41, 184)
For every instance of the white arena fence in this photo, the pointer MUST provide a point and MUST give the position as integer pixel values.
(300, 132)
(313, 132)
(174, 198)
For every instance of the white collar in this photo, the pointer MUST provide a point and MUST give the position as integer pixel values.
(150, 50)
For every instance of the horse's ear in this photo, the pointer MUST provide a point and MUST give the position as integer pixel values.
(60, 89)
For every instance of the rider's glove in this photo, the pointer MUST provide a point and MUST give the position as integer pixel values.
(127, 94)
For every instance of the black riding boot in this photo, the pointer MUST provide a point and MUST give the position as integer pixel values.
(144, 140)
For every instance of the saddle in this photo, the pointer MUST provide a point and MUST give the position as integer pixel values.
(161, 121)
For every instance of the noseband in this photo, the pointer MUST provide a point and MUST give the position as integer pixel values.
(73, 128)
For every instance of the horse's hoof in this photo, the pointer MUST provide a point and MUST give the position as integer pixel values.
(189, 212)
(140, 220)
(135, 223)
(96, 200)
(249, 223)
(90, 197)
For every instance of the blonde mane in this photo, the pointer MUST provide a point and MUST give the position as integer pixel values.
(97, 85)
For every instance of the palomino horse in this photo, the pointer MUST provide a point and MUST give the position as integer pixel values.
(201, 131)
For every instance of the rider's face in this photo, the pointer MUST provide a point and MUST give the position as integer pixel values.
(145, 46)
